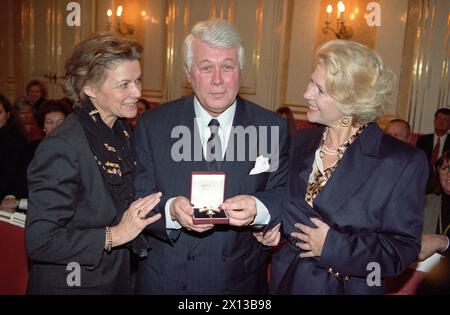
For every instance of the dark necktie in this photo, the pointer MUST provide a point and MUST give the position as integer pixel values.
(435, 153)
(214, 146)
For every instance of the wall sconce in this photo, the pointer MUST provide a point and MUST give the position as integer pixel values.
(121, 27)
(342, 31)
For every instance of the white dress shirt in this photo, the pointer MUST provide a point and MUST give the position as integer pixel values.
(226, 123)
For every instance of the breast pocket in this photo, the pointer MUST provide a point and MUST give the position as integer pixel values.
(255, 183)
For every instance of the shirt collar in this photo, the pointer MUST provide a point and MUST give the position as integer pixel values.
(225, 119)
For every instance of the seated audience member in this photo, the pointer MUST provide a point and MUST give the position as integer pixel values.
(142, 106)
(36, 94)
(287, 114)
(436, 221)
(51, 114)
(13, 146)
(400, 129)
(435, 144)
(436, 227)
(26, 119)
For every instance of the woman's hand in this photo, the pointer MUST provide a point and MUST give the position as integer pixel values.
(134, 220)
(271, 237)
(313, 238)
(432, 243)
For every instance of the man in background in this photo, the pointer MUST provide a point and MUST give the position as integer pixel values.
(400, 129)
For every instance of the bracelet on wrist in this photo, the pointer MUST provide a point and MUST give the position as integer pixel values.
(108, 243)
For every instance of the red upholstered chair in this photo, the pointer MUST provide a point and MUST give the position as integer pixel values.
(410, 280)
(404, 284)
(14, 259)
(300, 124)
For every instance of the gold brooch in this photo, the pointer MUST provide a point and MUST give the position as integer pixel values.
(109, 148)
(113, 165)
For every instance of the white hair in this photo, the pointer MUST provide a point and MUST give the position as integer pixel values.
(217, 33)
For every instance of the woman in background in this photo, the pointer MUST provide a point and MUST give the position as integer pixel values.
(436, 214)
(36, 94)
(26, 119)
(51, 115)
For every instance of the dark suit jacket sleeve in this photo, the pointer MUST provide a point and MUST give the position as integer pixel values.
(425, 143)
(396, 243)
(53, 180)
(275, 191)
(145, 180)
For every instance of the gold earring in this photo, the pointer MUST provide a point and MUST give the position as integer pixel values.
(345, 121)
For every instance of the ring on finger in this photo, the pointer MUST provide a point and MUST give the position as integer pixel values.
(140, 216)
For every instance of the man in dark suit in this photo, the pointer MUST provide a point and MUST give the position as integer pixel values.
(434, 144)
(188, 258)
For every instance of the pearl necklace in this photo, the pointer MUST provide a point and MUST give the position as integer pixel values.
(329, 151)
(323, 149)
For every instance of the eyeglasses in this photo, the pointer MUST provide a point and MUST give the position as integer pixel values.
(443, 169)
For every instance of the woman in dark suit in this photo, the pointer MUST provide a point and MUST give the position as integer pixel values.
(81, 213)
(354, 209)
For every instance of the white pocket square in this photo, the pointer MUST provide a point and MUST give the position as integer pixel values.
(261, 165)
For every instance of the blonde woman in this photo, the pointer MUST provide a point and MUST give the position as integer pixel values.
(354, 211)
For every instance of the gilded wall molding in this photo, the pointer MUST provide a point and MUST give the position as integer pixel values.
(444, 84)
(298, 109)
(249, 87)
(425, 65)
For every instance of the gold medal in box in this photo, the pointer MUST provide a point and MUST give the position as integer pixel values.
(207, 194)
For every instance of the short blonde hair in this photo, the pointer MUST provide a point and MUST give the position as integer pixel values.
(356, 78)
(90, 60)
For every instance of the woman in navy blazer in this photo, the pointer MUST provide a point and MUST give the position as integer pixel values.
(354, 209)
(81, 209)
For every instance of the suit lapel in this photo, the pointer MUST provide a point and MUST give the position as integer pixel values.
(236, 170)
(301, 167)
(358, 163)
(446, 144)
(187, 119)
